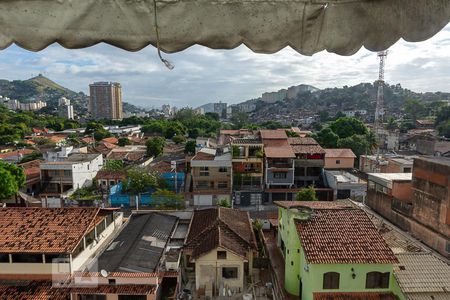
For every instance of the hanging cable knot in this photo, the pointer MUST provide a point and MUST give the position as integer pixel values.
(167, 63)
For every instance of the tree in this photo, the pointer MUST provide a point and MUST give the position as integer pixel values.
(444, 129)
(12, 178)
(189, 148)
(391, 124)
(346, 127)
(358, 144)
(239, 119)
(290, 133)
(307, 194)
(113, 165)
(224, 203)
(155, 146)
(178, 139)
(324, 116)
(414, 108)
(174, 128)
(326, 138)
(123, 141)
(165, 199)
(139, 181)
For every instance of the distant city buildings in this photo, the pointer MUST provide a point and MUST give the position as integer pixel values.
(219, 108)
(17, 105)
(105, 101)
(65, 110)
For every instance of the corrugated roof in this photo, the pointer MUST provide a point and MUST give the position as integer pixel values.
(344, 153)
(342, 236)
(422, 273)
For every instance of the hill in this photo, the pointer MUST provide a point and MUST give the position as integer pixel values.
(45, 89)
(359, 97)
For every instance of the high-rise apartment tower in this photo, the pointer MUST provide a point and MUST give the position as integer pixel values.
(105, 101)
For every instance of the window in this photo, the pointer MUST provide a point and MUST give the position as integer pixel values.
(221, 254)
(338, 161)
(56, 258)
(279, 175)
(377, 280)
(92, 297)
(132, 297)
(111, 281)
(204, 171)
(406, 170)
(78, 249)
(109, 220)
(4, 258)
(203, 184)
(230, 273)
(90, 237)
(223, 169)
(331, 280)
(27, 258)
(100, 227)
(222, 184)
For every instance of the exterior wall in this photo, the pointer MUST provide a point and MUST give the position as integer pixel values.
(91, 250)
(311, 275)
(33, 268)
(208, 270)
(344, 162)
(105, 101)
(83, 173)
(289, 243)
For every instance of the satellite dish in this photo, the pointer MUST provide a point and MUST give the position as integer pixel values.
(104, 273)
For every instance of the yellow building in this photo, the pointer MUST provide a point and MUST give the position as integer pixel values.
(219, 250)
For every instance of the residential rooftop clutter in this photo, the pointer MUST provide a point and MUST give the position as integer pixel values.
(41, 241)
(210, 177)
(417, 202)
(332, 249)
(219, 251)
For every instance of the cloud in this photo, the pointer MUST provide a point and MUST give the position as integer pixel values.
(203, 75)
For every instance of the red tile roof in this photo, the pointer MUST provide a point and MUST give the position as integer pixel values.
(279, 152)
(203, 156)
(44, 230)
(228, 228)
(345, 153)
(354, 296)
(33, 290)
(111, 140)
(119, 289)
(342, 236)
(316, 204)
(16, 153)
(273, 134)
(305, 145)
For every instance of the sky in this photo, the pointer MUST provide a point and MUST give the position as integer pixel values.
(202, 75)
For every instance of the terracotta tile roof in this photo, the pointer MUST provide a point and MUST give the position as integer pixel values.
(316, 204)
(355, 296)
(111, 140)
(225, 227)
(279, 152)
(104, 174)
(342, 236)
(32, 290)
(245, 141)
(119, 289)
(305, 145)
(123, 274)
(273, 134)
(16, 153)
(43, 230)
(203, 156)
(346, 153)
(87, 140)
(31, 168)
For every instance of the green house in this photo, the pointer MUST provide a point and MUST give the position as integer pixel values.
(333, 251)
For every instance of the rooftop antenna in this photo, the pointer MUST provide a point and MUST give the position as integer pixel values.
(379, 111)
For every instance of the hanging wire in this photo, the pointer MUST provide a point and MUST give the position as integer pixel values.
(167, 63)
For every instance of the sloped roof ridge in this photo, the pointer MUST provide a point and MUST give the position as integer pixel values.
(231, 229)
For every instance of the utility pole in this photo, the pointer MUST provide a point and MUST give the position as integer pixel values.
(379, 111)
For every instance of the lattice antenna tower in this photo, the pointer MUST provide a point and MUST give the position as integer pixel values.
(379, 111)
